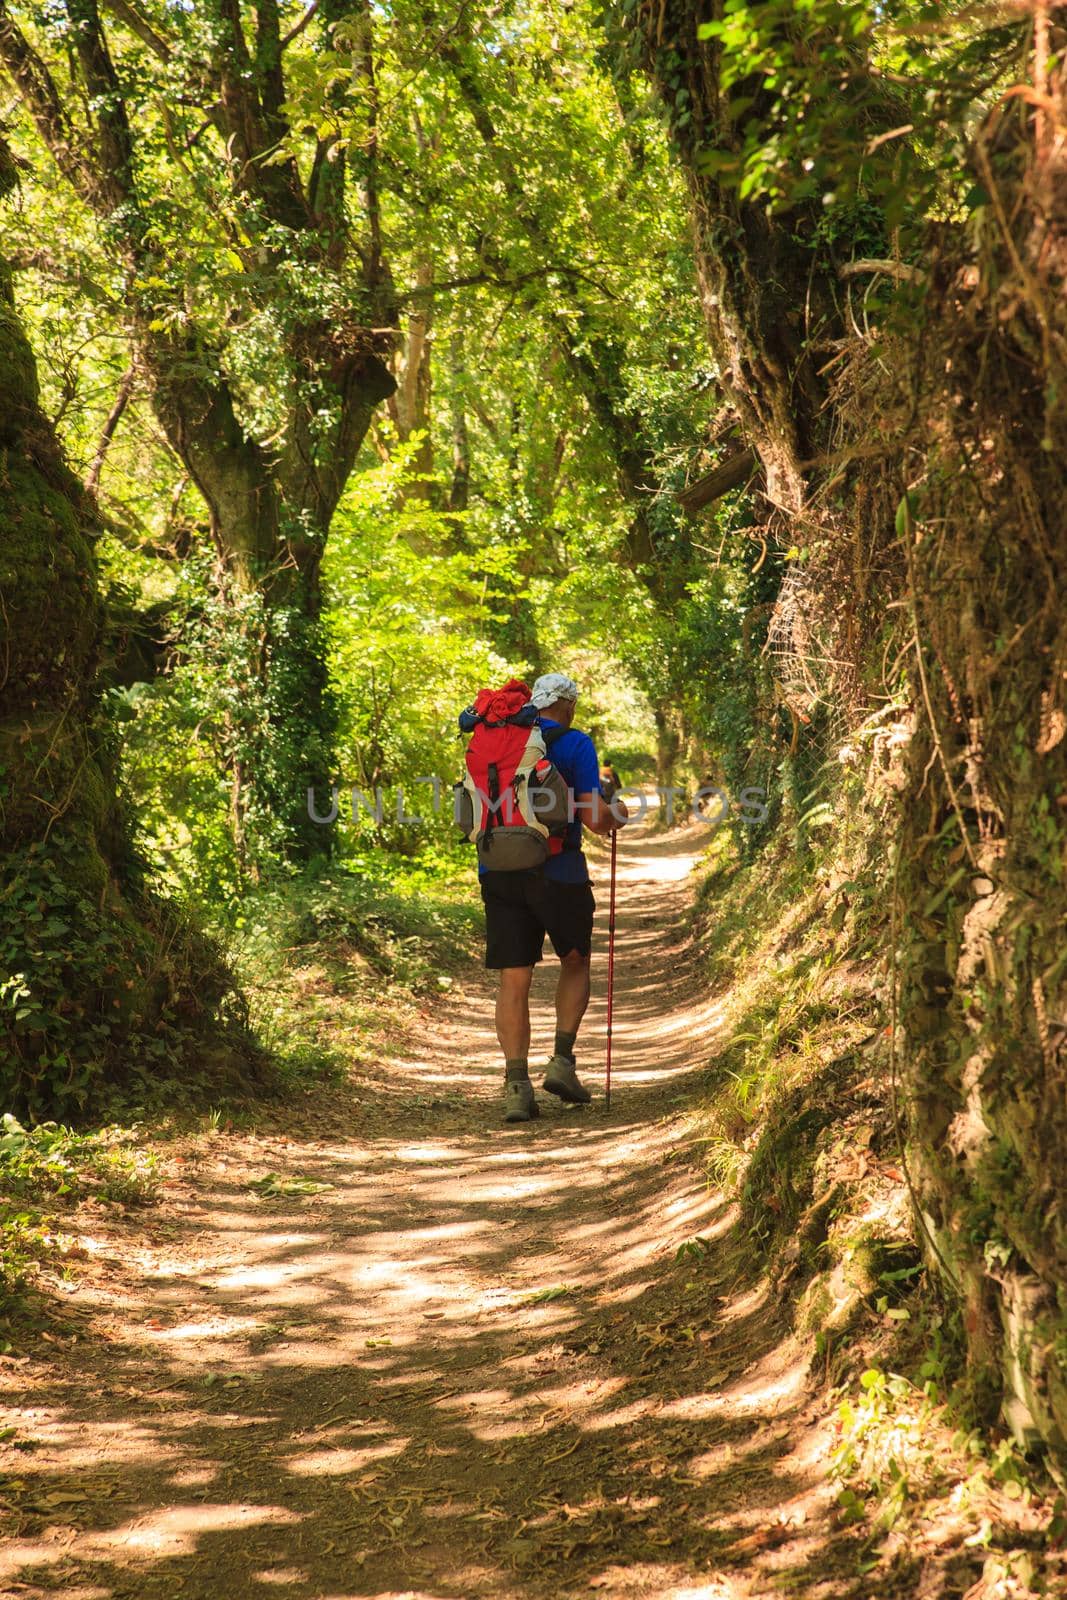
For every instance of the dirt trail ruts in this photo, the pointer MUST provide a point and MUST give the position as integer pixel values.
(473, 1366)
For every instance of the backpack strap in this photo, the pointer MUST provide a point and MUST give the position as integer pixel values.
(550, 736)
(493, 775)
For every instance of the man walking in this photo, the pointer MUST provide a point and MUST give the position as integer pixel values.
(557, 899)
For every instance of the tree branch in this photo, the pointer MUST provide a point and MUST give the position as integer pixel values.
(141, 27)
(255, 130)
(197, 412)
(329, 170)
(459, 491)
(269, 68)
(498, 280)
(69, 273)
(114, 156)
(194, 139)
(37, 90)
(107, 432)
(364, 54)
(729, 474)
(890, 269)
(298, 27)
(198, 415)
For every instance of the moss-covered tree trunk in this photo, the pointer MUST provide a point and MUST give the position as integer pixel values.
(98, 978)
(982, 881)
(269, 515)
(983, 841)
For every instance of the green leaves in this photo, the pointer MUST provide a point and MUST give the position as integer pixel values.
(50, 1160)
(907, 514)
(823, 85)
(86, 995)
(695, 1249)
(272, 1186)
(541, 1297)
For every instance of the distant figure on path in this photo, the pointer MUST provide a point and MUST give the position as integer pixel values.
(534, 782)
(610, 782)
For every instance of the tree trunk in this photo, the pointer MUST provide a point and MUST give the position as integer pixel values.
(668, 746)
(512, 623)
(459, 491)
(977, 410)
(409, 407)
(101, 976)
(762, 286)
(269, 506)
(983, 834)
(269, 520)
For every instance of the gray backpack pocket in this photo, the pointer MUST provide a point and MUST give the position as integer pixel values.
(550, 800)
(514, 849)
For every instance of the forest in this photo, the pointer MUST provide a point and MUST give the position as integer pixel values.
(357, 356)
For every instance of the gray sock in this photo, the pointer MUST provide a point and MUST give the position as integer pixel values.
(565, 1044)
(516, 1067)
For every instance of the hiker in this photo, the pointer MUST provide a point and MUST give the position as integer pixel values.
(610, 782)
(523, 902)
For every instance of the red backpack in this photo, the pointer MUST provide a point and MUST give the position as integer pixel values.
(513, 802)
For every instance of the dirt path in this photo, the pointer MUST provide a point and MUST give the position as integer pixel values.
(472, 1366)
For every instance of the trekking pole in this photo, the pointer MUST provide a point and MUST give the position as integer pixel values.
(611, 966)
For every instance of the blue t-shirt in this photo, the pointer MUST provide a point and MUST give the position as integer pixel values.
(575, 755)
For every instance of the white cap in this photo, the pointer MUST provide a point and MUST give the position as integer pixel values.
(552, 687)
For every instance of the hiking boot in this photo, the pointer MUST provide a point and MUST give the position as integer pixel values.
(520, 1104)
(562, 1079)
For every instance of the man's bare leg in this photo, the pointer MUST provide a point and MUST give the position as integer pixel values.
(513, 1012)
(572, 991)
(513, 1031)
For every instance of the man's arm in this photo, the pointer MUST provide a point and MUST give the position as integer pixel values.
(598, 816)
(589, 804)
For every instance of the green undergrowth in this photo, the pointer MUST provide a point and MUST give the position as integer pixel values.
(335, 961)
(799, 1125)
(107, 989)
(796, 937)
(46, 1174)
(335, 966)
(329, 964)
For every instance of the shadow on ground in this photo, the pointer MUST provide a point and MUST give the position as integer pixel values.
(471, 1366)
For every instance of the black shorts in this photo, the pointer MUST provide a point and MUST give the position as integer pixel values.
(521, 907)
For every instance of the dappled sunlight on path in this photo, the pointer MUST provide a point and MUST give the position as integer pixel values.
(467, 1365)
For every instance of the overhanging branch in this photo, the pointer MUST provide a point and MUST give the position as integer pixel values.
(141, 27)
(889, 269)
(729, 474)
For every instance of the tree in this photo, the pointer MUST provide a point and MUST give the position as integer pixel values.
(983, 829)
(219, 174)
(950, 414)
(101, 977)
(589, 252)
